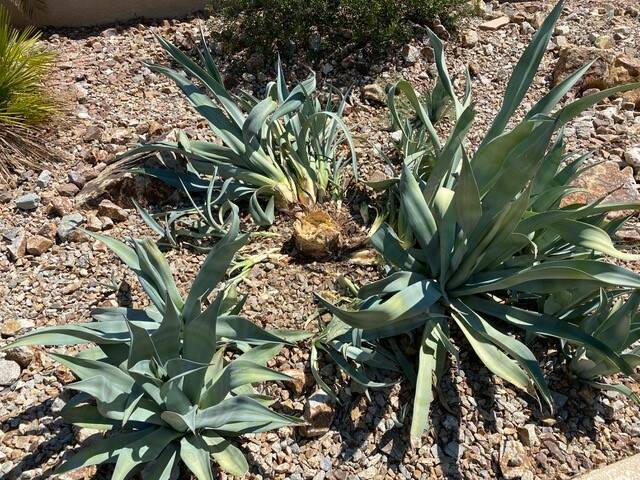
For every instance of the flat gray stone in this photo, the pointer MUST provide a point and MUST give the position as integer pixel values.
(67, 224)
(28, 201)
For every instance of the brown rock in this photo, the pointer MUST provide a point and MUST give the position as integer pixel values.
(10, 327)
(77, 178)
(80, 474)
(48, 230)
(495, 24)
(37, 245)
(78, 236)
(608, 71)
(68, 190)
(470, 38)
(514, 462)
(528, 435)
(60, 206)
(109, 209)
(23, 356)
(107, 223)
(297, 382)
(93, 132)
(605, 180)
(374, 93)
(155, 128)
(93, 223)
(318, 413)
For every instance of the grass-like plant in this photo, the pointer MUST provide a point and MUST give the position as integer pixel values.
(24, 101)
(285, 149)
(495, 247)
(173, 382)
(23, 69)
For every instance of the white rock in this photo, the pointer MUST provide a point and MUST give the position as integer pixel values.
(44, 179)
(410, 54)
(632, 156)
(9, 372)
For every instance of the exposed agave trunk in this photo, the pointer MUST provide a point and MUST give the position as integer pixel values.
(316, 234)
(284, 195)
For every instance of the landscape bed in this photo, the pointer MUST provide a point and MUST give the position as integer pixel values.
(480, 428)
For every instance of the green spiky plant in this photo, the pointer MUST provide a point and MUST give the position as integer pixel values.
(614, 319)
(285, 149)
(495, 247)
(173, 382)
(24, 102)
(414, 118)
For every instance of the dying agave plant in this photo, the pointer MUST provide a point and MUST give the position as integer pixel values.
(495, 246)
(171, 383)
(613, 319)
(285, 149)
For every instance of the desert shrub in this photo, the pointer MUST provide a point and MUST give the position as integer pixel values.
(24, 101)
(273, 23)
(495, 249)
(24, 66)
(171, 383)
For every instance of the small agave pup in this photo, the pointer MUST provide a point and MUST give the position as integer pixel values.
(286, 149)
(614, 320)
(167, 380)
(495, 248)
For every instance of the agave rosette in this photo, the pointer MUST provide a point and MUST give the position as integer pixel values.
(614, 319)
(287, 148)
(173, 382)
(495, 247)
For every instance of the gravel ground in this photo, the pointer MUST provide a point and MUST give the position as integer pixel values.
(488, 430)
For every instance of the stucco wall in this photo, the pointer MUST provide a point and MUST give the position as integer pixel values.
(75, 13)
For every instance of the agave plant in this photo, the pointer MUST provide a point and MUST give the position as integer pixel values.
(172, 382)
(614, 319)
(415, 118)
(418, 140)
(287, 148)
(193, 224)
(496, 248)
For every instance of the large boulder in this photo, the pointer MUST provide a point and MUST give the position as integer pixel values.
(609, 70)
(606, 180)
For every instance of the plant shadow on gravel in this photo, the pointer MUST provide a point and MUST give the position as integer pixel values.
(354, 433)
(63, 437)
